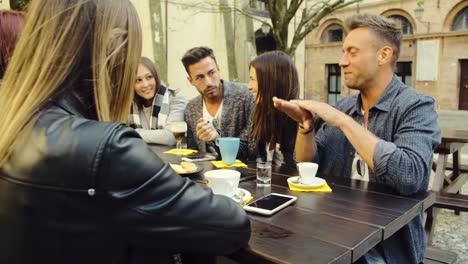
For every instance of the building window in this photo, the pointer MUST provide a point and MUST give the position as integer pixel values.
(334, 83)
(403, 72)
(406, 27)
(461, 20)
(333, 33)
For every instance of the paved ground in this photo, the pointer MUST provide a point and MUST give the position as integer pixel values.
(451, 232)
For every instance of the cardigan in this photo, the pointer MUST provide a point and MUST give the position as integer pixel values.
(238, 103)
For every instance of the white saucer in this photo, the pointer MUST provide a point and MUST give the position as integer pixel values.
(245, 195)
(317, 182)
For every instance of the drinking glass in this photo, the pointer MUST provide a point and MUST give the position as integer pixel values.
(263, 173)
(178, 129)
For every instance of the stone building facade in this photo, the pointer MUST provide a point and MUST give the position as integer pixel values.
(171, 27)
(433, 59)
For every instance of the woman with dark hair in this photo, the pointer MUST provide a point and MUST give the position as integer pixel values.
(11, 24)
(273, 74)
(76, 184)
(155, 106)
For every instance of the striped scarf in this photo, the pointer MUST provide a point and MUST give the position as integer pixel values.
(160, 101)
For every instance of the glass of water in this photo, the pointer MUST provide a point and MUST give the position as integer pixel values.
(263, 173)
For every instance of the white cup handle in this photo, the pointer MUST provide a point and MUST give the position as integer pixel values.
(233, 188)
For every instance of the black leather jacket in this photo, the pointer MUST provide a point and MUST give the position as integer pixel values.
(80, 191)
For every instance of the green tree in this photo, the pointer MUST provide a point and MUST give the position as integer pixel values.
(226, 9)
(19, 5)
(229, 39)
(311, 13)
(158, 38)
(281, 14)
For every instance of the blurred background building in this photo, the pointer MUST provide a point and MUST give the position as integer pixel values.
(434, 56)
(233, 28)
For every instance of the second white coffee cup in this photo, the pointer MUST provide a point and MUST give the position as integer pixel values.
(223, 181)
(307, 171)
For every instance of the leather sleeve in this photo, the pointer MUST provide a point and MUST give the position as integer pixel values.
(156, 207)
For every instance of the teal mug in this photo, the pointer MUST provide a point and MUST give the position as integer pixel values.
(229, 146)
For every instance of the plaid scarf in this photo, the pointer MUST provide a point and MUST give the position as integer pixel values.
(160, 102)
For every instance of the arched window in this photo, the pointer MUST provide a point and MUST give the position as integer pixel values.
(461, 20)
(406, 27)
(333, 33)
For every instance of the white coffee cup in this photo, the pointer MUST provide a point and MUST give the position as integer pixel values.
(307, 171)
(223, 181)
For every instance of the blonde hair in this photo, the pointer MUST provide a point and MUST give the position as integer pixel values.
(89, 47)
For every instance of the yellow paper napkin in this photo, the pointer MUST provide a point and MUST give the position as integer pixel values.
(323, 188)
(221, 165)
(248, 200)
(183, 152)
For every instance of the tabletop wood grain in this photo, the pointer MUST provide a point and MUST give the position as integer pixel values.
(337, 227)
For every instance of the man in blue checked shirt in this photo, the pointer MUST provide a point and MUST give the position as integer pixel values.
(386, 133)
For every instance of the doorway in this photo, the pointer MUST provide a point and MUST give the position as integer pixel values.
(463, 97)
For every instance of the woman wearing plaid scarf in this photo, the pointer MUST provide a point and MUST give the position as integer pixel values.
(154, 106)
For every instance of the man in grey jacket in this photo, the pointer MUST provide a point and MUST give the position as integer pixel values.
(222, 108)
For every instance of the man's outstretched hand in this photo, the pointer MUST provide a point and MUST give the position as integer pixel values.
(295, 111)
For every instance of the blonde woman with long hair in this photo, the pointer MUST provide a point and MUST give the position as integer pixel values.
(76, 185)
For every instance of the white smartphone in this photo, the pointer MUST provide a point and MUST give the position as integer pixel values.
(199, 158)
(270, 203)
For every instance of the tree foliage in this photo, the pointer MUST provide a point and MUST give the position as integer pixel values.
(19, 5)
(158, 39)
(281, 14)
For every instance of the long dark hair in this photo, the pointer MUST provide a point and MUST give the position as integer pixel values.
(276, 76)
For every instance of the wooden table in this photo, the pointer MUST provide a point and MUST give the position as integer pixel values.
(337, 227)
(451, 144)
(206, 165)
(454, 135)
(452, 141)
